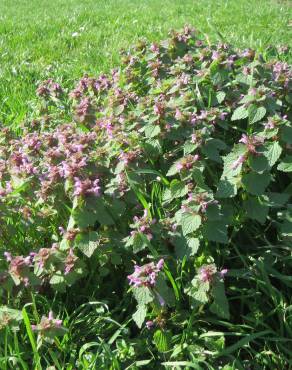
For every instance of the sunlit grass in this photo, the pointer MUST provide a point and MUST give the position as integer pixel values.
(65, 39)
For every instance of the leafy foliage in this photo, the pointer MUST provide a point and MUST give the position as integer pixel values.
(176, 166)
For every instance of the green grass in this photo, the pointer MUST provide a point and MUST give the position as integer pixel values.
(36, 39)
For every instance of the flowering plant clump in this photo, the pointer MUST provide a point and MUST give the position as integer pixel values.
(182, 155)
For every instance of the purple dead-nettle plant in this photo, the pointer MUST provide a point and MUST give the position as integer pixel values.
(86, 187)
(19, 268)
(143, 225)
(49, 326)
(187, 162)
(252, 142)
(146, 275)
(207, 273)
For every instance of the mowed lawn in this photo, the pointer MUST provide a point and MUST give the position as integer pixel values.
(64, 39)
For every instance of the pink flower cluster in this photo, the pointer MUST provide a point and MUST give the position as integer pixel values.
(187, 162)
(146, 275)
(86, 187)
(143, 225)
(208, 272)
(47, 324)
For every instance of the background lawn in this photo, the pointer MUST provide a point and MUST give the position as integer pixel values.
(65, 39)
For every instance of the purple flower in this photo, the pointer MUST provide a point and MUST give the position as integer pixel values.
(160, 264)
(149, 324)
(8, 256)
(223, 273)
(146, 275)
(207, 272)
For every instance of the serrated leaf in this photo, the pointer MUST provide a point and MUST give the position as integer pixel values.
(286, 134)
(256, 209)
(239, 113)
(189, 147)
(140, 242)
(97, 207)
(152, 130)
(255, 113)
(193, 244)
(199, 291)
(57, 279)
(273, 153)
(215, 231)
(256, 183)
(140, 315)
(87, 243)
(220, 306)
(173, 170)
(259, 163)
(230, 159)
(84, 218)
(143, 295)
(286, 164)
(277, 199)
(213, 212)
(178, 189)
(211, 149)
(185, 247)
(190, 223)
(227, 188)
(220, 96)
(153, 147)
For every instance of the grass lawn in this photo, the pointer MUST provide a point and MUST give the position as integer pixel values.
(65, 39)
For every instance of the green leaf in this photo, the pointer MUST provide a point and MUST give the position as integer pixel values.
(140, 242)
(229, 159)
(178, 189)
(227, 187)
(173, 170)
(143, 295)
(286, 228)
(162, 340)
(189, 147)
(220, 96)
(277, 199)
(193, 245)
(286, 134)
(273, 153)
(239, 113)
(152, 130)
(255, 113)
(215, 231)
(198, 290)
(211, 149)
(84, 218)
(220, 306)
(102, 215)
(286, 164)
(256, 183)
(190, 223)
(259, 163)
(95, 210)
(213, 212)
(57, 279)
(256, 210)
(140, 315)
(87, 242)
(164, 291)
(185, 247)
